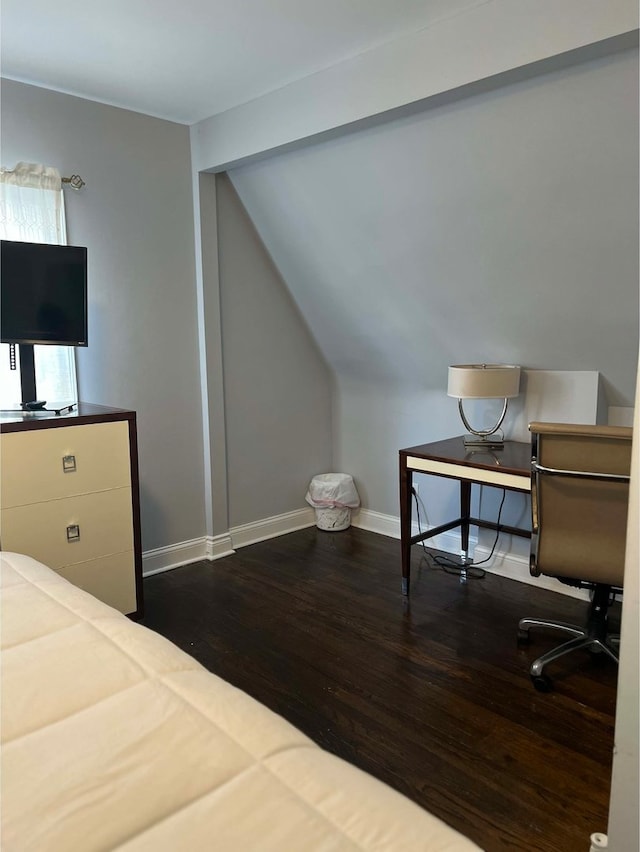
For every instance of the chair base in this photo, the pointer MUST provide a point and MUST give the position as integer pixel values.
(593, 637)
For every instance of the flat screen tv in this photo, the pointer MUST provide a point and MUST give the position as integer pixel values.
(43, 296)
(43, 300)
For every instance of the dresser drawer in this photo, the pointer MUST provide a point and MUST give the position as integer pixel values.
(45, 464)
(47, 531)
(111, 579)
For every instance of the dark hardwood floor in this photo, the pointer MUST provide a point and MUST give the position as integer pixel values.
(432, 696)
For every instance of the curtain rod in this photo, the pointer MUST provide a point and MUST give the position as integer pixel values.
(75, 181)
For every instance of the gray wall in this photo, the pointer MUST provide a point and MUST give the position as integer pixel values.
(624, 827)
(277, 387)
(136, 218)
(499, 227)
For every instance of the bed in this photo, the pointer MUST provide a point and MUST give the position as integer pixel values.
(113, 738)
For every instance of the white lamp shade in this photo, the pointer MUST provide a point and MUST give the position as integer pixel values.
(484, 381)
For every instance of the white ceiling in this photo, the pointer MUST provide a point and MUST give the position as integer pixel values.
(191, 60)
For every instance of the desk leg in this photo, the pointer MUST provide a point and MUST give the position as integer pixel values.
(465, 514)
(406, 483)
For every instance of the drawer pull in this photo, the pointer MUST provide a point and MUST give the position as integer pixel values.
(73, 533)
(68, 464)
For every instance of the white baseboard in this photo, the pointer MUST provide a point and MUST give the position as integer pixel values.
(389, 525)
(215, 547)
(219, 546)
(174, 555)
(505, 564)
(516, 567)
(252, 533)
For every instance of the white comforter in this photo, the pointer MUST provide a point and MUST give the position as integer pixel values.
(113, 738)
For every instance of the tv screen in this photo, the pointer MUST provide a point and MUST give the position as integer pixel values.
(43, 294)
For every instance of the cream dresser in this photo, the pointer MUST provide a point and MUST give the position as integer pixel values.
(69, 498)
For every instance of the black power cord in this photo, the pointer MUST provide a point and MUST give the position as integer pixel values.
(448, 565)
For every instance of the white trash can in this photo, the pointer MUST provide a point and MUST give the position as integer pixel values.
(333, 496)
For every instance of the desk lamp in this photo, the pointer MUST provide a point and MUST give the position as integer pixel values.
(483, 381)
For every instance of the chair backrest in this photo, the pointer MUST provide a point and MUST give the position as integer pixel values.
(579, 501)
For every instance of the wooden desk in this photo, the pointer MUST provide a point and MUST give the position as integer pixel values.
(508, 468)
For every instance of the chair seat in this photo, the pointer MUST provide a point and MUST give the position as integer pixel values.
(579, 505)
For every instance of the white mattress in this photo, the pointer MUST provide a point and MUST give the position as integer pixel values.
(113, 738)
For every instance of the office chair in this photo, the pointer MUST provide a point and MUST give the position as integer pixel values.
(579, 499)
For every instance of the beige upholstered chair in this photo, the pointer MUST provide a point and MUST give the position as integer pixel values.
(579, 498)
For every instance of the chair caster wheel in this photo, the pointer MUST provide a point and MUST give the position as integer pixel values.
(542, 683)
(523, 638)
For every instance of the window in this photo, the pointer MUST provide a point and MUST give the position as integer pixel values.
(32, 210)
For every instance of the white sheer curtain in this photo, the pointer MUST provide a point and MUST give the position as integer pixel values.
(32, 211)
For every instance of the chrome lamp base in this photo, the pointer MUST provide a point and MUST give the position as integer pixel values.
(487, 442)
(485, 439)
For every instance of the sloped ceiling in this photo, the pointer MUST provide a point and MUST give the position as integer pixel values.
(500, 227)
